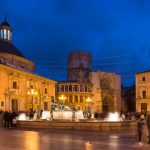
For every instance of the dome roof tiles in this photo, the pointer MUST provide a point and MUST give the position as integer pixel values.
(9, 48)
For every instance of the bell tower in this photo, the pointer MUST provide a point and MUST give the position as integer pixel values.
(5, 32)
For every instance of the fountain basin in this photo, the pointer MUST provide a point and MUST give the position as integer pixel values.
(93, 125)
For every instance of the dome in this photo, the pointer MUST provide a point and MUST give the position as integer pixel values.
(9, 48)
(5, 23)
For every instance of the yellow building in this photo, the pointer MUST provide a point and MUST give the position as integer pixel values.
(74, 94)
(20, 88)
(143, 91)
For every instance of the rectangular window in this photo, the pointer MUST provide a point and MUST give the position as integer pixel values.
(144, 94)
(5, 34)
(8, 35)
(1, 33)
(45, 90)
(143, 79)
(2, 103)
(14, 85)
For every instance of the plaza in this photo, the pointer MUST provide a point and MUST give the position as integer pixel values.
(27, 139)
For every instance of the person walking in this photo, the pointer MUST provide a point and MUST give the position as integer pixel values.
(6, 119)
(1, 118)
(148, 126)
(14, 116)
(140, 126)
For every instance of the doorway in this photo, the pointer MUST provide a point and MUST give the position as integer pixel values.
(144, 107)
(14, 104)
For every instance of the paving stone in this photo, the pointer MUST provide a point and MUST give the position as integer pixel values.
(48, 139)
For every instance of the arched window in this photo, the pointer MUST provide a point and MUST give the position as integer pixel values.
(62, 88)
(70, 88)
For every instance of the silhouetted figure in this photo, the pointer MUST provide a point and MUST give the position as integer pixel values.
(140, 125)
(1, 118)
(6, 119)
(96, 115)
(148, 126)
(14, 116)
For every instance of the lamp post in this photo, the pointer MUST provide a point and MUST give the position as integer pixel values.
(62, 98)
(32, 93)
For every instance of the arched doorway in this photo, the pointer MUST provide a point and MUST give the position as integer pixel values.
(107, 104)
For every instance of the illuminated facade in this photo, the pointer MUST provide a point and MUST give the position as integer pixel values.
(143, 91)
(74, 94)
(20, 88)
(106, 92)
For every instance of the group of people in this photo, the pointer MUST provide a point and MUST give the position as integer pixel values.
(8, 119)
(143, 120)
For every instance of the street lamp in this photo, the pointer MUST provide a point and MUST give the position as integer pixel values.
(32, 93)
(62, 98)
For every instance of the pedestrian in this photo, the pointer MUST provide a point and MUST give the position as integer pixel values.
(6, 119)
(1, 118)
(148, 126)
(123, 116)
(14, 116)
(140, 126)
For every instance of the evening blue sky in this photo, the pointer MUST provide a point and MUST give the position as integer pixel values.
(115, 32)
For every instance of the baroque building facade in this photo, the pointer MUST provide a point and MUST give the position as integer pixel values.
(143, 91)
(74, 94)
(20, 88)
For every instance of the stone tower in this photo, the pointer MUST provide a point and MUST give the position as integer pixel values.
(79, 67)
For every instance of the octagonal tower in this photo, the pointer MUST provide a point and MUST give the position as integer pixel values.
(79, 66)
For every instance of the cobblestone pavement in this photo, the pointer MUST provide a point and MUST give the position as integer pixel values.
(23, 139)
